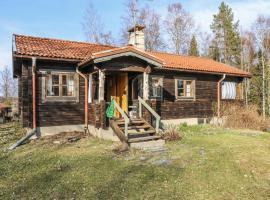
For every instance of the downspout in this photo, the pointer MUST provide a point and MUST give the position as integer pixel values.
(34, 92)
(33, 131)
(85, 100)
(218, 94)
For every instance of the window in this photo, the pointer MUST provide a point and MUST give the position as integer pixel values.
(184, 88)
(155, 87)
(60, 86)
(228, 90)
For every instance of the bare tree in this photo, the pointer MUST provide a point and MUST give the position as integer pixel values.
(178, 24)
(152, 22)
(248, 56)
(7, 84)
(93, 28)
(262, 30)
(129, 19)
(204, 40)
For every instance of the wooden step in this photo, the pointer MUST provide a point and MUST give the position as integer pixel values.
(131, 122)
(140, 139)
(136, 127)
(142, 132)
(139, 135)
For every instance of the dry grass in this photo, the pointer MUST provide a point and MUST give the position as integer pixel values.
(208, 163)
(171, 133)
(247, 117)
(63, 137)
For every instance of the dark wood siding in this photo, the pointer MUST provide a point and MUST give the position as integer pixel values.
(202, 106)
(26, 95)
(72, 113)
(49, 113)
(59, 113)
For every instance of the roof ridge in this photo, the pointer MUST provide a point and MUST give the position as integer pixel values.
(174, 54)
(63, 40)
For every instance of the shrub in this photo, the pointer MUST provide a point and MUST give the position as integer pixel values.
(239, 116)
(171, 133)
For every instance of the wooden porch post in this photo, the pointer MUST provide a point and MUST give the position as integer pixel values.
(90, 90)
(145, 85)
(101, 85)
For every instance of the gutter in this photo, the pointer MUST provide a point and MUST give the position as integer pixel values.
(85, 99)
(218, 94)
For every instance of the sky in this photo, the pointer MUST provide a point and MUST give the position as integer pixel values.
(63, 18)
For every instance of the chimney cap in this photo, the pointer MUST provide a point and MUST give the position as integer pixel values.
(137, 27)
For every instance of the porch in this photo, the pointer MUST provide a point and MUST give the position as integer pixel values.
(133, 120)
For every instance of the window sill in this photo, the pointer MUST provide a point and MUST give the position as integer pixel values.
(185, 99)
(156, 99)
(61, 99)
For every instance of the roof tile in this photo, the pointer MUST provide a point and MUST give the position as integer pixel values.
(83, 51)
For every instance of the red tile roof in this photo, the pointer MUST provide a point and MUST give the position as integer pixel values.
(83, 51)
(192, 63)
(55, 48)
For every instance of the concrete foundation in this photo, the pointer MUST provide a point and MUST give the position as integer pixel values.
(107, 134)
(99, 133)
(189, 121)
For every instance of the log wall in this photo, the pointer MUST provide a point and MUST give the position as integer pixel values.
(72, 113)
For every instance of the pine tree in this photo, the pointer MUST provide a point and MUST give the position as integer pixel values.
(193, 49)
(256, 82)
(226, 35)
(213, 51)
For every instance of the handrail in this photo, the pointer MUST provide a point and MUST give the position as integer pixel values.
(124, 115)
(151, 110)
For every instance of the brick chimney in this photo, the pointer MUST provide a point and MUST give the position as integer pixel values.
(136, 37)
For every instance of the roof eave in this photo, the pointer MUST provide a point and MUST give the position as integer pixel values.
(23, 56)
(205, 72)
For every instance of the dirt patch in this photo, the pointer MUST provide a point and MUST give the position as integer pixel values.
(64, 137)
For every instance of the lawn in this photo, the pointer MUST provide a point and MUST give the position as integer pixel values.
(208, 163)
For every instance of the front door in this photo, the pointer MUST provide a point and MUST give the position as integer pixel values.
(118, 89)
(121, 91)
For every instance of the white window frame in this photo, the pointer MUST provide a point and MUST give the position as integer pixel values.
(161, 92)
(193, 84)
(60, 98)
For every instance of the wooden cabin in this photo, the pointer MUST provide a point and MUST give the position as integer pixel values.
(68, 85)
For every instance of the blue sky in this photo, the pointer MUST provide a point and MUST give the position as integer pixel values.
(63, 18)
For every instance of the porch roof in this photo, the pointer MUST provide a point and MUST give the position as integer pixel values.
(83, 52)
(122, 51)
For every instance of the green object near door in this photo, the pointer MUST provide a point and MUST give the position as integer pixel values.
(110, 110)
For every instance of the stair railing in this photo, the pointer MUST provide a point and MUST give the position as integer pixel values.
(151, 110)
(124, 115)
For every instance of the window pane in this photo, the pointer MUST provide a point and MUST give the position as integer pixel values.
(180, 92)
(55, 79)
(49, 85)
(188, 88)
(180, 84)
(70, 85)
(180, 88)
(155, 86)
(55, 91)
(64, 91)
(64, 79)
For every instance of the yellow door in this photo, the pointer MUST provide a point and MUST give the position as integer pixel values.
(121, 92)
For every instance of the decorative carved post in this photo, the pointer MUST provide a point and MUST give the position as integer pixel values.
(145, 85)
(101, 85)
(90, 90)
